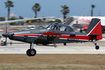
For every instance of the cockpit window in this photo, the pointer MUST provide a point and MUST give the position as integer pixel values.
(49, 26)
(55, 27)
(62, 28)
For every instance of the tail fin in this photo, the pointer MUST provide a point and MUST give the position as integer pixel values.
(94, 30)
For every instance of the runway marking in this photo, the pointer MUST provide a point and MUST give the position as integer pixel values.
(12, 50)
(74, 48)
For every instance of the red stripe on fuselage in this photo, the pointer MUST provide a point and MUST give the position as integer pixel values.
(27, 34)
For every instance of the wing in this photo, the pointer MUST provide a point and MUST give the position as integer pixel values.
(7, 22)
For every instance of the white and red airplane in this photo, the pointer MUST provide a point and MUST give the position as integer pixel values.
(83, 21)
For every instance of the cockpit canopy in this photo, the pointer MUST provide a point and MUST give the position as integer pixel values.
(60, 27)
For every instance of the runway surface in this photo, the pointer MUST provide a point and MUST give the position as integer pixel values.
(70, 48)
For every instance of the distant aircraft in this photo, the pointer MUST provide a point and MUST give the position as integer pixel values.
(55, 33)
(83, 22)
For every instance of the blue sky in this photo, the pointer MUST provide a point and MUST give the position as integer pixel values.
(53, 7)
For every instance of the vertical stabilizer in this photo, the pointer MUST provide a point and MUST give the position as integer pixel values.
(94, 30)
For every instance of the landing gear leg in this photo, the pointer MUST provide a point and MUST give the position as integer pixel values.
(31, 51)
(96, 46)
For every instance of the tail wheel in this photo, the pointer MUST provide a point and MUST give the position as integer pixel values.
(97, 47)
(31, 52)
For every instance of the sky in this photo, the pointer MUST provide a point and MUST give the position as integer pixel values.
(53, 8)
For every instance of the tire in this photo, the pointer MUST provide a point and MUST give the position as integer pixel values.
(97, 47)
(31, 52)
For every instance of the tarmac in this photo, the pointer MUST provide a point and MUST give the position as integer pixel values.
(70, 48)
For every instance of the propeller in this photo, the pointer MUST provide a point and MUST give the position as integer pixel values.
(6, 33)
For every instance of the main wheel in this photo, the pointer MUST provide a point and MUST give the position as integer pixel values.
(31, 52)
(97, 47)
